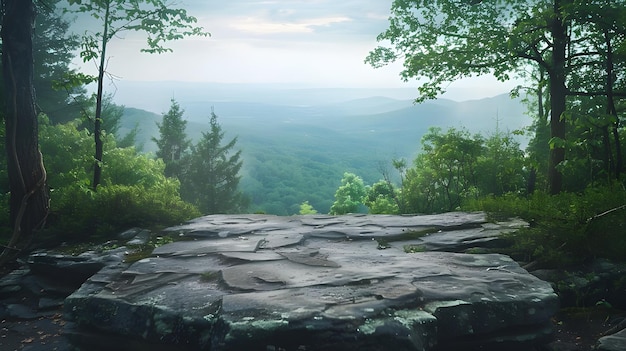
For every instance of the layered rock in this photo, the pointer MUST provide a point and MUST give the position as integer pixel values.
(259, 282)
(615, 342)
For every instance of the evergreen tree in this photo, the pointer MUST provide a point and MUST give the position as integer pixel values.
(159, 20)
(212, 177)
(53, 49)
(57, 94)
(112, 114)
(172, 141)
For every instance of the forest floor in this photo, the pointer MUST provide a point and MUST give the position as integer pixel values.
(580, 329)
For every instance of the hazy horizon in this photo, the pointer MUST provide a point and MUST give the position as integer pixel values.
(155, 96)
(318, 45)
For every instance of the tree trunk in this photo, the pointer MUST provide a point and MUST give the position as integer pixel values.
(611, 108)
(619, 166)
(97, 126)
(558, 92)
(29, 200)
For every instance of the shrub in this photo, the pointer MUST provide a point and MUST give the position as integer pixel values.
(78, 211)
(134, 190)
(567, 228)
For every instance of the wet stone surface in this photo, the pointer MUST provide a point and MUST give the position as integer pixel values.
(260, 282)
(615, 342)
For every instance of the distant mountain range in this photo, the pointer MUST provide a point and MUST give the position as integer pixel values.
(298, 148)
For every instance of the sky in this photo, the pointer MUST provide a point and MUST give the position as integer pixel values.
(309, 43)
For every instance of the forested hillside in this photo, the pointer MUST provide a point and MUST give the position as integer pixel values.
(294, 154)
(69, 168)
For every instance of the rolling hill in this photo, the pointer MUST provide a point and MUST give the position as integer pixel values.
(294, 153)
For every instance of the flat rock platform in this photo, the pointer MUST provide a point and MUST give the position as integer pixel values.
(318, 282)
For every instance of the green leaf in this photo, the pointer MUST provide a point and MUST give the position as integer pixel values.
(556, 143)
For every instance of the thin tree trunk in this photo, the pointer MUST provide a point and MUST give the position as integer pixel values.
(558, 93)
(607, 157)
(29, 200)
(97, 126)
(619, 163)
(540, 132)
(611, 109)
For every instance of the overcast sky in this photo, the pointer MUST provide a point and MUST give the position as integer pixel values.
(320, 43)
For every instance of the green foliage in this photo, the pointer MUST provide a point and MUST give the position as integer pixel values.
(124, 166)
(78, 212)
(67, 148)
(212, 177)
(444, 173)
(500, 169)
(443, 41)
(349, 196)
(172, 143)
(456, 167)
(130, 139)
(414, 248)
(591, 144)
(53, 50)
(135, 191)
(573, 49)
(567, 228)
(66, 152)
(287, 165)
(111, 115)
(306, 208)
(156, 18)
(273, 185)
(382, 198)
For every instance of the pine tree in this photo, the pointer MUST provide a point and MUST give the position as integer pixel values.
(212, 177)
(172, 143)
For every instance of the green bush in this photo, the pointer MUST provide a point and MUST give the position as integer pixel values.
(134, 190)
(78, 212)
(567, 228)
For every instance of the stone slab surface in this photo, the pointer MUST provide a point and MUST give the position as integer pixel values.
(615, 342)
(260, 282)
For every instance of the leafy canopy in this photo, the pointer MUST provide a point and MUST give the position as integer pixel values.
(307, 209)
(156, 18)
(443, 41)
(349, 196)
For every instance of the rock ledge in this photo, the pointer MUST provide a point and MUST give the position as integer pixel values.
(259, 282)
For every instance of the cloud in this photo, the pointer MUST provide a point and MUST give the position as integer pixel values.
(260, 25)
(321, 42)
(279, 17)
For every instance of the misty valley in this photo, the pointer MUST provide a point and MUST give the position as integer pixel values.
(296, 153)
(407, 175)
